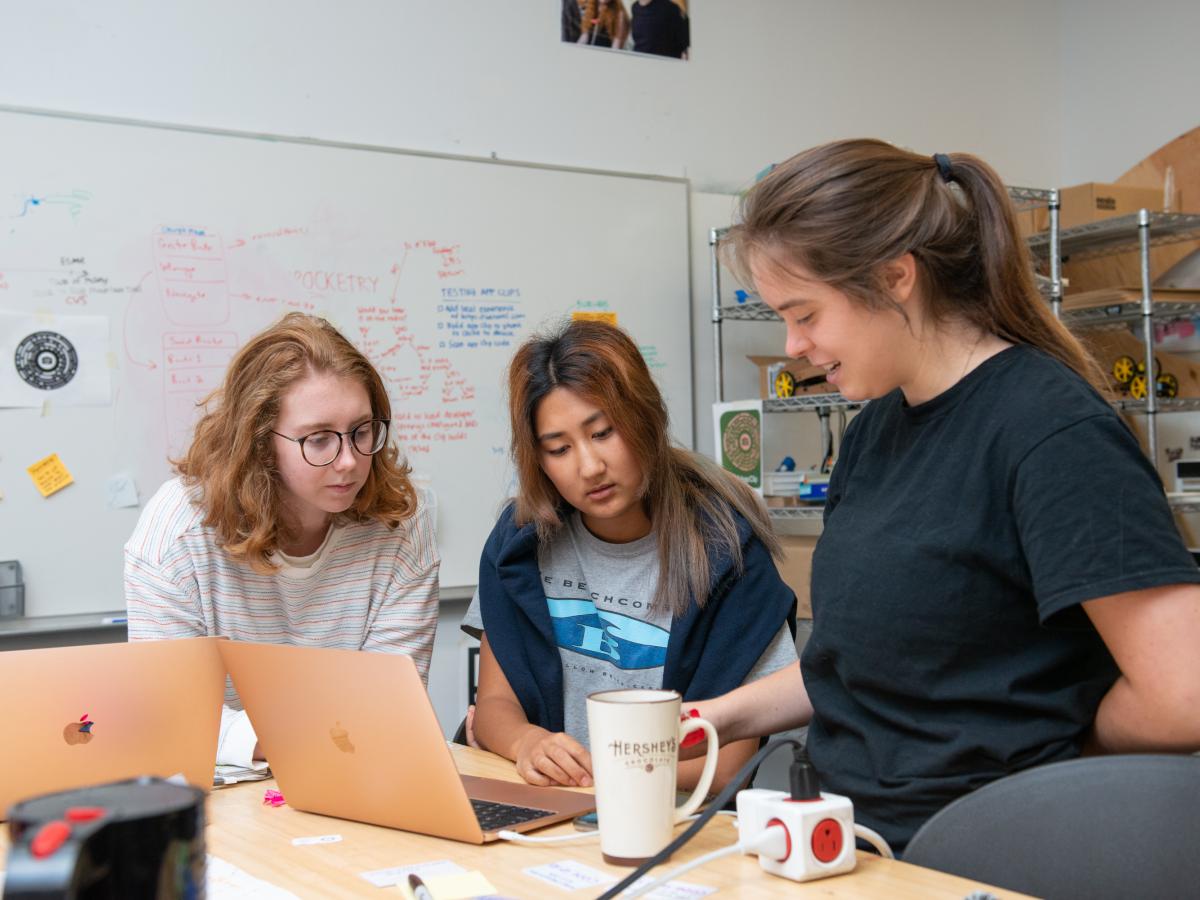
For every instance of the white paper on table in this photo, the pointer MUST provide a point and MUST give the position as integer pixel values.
(674, 890)
(91, 383)
(316, 839)
(225, 880)
(569, 875)
(397, 874)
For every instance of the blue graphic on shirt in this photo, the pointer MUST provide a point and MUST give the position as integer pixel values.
(625, 642)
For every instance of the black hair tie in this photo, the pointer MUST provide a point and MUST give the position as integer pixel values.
(944, 167)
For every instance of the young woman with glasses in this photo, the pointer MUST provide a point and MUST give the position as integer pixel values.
(292, 520)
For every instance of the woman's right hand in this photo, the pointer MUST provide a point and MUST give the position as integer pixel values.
(545, 758)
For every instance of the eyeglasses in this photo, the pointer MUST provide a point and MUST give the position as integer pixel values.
(322, 447)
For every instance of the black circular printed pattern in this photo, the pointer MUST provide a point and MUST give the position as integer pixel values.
(46, 360)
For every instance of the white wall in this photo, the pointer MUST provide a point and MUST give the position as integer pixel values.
(767, 77)
(1129, 77)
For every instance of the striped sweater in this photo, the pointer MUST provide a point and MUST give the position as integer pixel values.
(368, 588)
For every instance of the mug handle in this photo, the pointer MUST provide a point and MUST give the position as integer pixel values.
(693, 802)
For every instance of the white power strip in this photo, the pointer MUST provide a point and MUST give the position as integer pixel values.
(818, 835)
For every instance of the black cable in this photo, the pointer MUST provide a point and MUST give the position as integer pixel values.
(718, 803)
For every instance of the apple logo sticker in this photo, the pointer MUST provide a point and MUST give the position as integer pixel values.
(79, 732)
(341, 738)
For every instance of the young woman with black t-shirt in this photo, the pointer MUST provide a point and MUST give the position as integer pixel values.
(999, 583)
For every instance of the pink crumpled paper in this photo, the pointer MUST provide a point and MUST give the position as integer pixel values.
(274, 798)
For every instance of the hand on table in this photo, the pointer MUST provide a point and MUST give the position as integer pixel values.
(545, 758)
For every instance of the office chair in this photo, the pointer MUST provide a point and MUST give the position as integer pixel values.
(1103, 827)
(460, 733)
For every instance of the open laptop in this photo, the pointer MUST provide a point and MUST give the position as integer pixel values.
(353, 735)
(76, 716)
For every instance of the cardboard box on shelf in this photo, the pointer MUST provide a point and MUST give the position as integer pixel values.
(769, 368)
(1104, 272)
(1127, 295)
(1028, 222)
(1093, 201)
(796, 569)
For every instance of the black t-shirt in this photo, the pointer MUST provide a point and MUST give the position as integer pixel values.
(658, 27)
(949, 648)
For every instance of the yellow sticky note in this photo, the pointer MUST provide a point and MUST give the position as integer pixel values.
(50, 475)
(454, 887)
(594, 316)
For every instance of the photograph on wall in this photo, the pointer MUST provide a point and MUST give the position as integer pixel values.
(650, 27)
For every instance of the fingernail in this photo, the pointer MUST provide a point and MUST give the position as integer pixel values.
(694, 738)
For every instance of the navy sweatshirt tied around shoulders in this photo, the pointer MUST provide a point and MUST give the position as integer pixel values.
(710, 650)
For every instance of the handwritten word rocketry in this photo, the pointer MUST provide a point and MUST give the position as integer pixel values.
(337, 282)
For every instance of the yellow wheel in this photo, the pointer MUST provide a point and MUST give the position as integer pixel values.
(1122, 369)
(785, 384)
(1168, 385)
(1137, 387)
(1141, 367)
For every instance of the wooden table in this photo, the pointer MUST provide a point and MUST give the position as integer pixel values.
(258, 839)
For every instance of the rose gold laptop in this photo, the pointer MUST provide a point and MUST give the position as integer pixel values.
(76, 716)
(353, 735)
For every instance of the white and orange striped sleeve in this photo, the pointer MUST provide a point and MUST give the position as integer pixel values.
(406, 619)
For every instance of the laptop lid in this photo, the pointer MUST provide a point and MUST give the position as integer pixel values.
(353, 734)
(76, 716)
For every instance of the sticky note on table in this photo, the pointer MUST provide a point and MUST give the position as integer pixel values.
(454, 887)
(50, 475)
(399, 874)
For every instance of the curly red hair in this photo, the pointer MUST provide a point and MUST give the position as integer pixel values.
(231, 459)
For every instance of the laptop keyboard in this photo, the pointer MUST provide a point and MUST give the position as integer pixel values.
(494, 816)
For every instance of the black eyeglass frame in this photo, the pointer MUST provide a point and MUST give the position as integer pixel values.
(340, 435)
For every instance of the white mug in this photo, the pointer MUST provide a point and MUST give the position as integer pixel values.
(634, 736)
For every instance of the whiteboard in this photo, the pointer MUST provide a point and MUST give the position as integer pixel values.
(187, 242)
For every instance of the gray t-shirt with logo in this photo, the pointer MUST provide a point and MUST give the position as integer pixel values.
(599, 596)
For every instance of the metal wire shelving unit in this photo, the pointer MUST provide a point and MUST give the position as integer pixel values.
(1184, 504)
(1124, 313)
(797, 513)
(1120, 234)
(1139, 232)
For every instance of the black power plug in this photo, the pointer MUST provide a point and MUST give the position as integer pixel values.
(802, 777)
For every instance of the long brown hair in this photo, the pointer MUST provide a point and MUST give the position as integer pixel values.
(611, 18)
(844, 209)
(689, 499)
(232, 459)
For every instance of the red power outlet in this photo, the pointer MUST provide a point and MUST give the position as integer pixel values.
(827, 840)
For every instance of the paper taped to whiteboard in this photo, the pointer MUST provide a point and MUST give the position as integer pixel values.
(44, 356)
